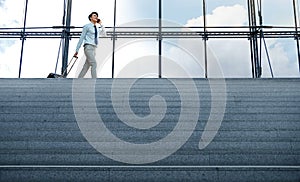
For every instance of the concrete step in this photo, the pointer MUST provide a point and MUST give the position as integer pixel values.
(41, 138)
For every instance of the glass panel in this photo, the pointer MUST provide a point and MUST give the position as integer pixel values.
(232, 55)
(81, 10)
(135, 58)
(40, 55)
(279, 12)
(132, 12)
(10, 51)
(283, 55)
(283, 58)
(220, 51)
(44, 13)
(129, 13)
(181, 12)
(183, 58)
(39, 58)
(227, 13)
(11, 16)
(215, 4)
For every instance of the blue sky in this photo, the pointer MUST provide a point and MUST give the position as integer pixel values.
(232, 54)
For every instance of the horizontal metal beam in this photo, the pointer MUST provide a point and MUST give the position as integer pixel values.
(154, 34)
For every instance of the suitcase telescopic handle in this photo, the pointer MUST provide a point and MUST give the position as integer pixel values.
(74, 59)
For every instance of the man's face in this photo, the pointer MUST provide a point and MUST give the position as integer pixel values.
(94, 18)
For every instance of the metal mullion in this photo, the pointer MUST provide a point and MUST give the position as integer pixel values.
(296, 32)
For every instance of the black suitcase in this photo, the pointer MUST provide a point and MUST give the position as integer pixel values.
(54, 75)
(65, 72)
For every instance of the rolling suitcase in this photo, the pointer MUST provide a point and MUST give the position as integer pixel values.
(65, 72)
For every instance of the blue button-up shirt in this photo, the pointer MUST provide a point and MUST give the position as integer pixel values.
(88, 35)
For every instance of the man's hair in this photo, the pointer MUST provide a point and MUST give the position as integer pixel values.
(92, 15)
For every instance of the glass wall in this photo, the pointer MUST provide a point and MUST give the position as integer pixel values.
(229, 16)
(136, 44)
(283, 52)
(136, 56)
(40, 54)
(10, 48)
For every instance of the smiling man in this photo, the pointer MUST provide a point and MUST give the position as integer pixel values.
(89, 38)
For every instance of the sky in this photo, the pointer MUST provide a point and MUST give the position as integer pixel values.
(231, 56)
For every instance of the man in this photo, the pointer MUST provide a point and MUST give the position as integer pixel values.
(89, 38)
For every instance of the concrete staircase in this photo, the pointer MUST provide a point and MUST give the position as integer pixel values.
(245, 130)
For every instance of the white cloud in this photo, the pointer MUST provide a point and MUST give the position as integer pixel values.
(282, 66)
(231, 55)
(223, 16)
(234, 54)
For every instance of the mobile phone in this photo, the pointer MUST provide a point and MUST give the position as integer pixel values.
(98, 21)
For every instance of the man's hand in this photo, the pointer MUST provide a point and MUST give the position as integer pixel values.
(75, 55)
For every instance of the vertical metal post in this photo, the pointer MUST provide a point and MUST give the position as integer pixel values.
(262, 39)
(261, 33)
(250, 40)
(160, 39)
(114, 40)
(23, 38)
(256, 65)
(296, 29)
(66, 38)
(205, 39)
